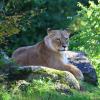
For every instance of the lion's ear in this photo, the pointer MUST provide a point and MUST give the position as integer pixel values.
(48, 30)
(68, 31)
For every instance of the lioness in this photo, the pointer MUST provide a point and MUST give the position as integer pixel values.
(51, 52)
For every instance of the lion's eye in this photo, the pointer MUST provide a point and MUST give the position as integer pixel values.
(58, 39)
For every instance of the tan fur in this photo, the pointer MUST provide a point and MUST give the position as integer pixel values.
(49, 53)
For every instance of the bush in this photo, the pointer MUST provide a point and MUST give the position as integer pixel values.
(87, 26)
(31, 18)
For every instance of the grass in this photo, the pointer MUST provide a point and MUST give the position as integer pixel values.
(45, 90)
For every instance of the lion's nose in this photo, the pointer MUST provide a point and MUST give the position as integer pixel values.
(64, 46)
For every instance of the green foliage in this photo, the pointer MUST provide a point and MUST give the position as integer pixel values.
(45, 90)
(31, 18)
(5, 96)
(87, 26)
(3, 60)
(17, 6)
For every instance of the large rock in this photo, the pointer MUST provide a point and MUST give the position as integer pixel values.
(81, 61)
(9, 71)
(77, 58)
(65, 79)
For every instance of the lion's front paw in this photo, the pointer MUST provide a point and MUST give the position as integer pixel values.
(78, 74)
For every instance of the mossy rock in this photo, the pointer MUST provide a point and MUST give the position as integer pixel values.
(64, 78)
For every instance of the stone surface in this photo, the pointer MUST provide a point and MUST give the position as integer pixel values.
(82, 62)
(30, 73)
(77, 58)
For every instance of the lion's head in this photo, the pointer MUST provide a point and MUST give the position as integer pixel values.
(57, 40)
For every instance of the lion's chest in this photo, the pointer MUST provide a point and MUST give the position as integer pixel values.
(64, 57)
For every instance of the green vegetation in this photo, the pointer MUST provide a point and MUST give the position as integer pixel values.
(24, 22)
(87, 28)
(45, 90)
